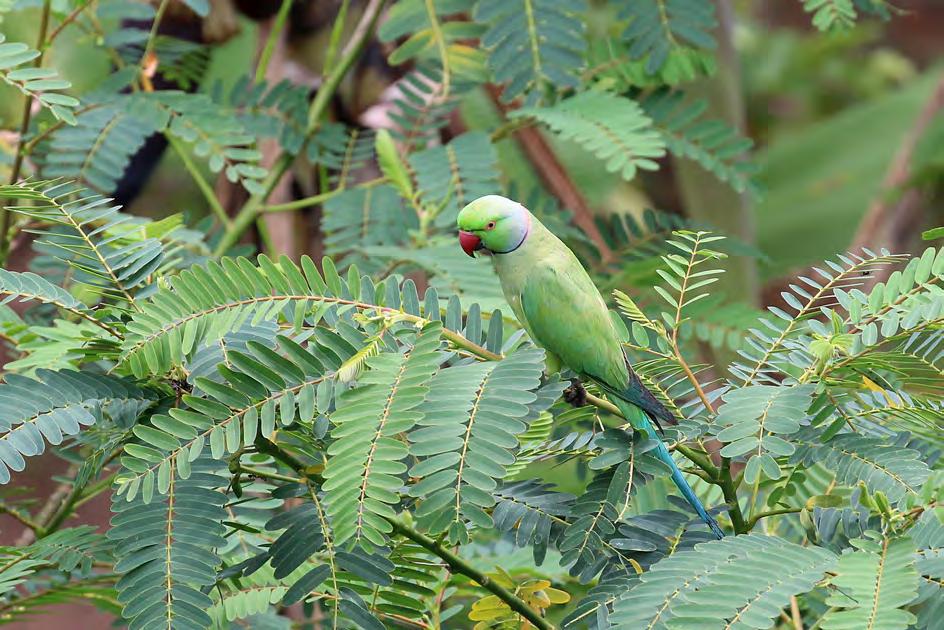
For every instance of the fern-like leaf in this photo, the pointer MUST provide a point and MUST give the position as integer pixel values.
(109, 251)
(41, 84)
(753, 419)
(882, 466)
(467, 437)
(432, 35)
(706, 585)
(534, 512)
(777, 347)
(165, 551)
(263, 390)
(97, 150)
(711, 143)
(535, 46)
(52, 406)
(456, 173)
(659, 29)
(872, 584)
(366, 460)
(614, 128)
(831, 14)
(363, 217)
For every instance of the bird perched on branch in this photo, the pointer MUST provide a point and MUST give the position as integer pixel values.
(561, 309)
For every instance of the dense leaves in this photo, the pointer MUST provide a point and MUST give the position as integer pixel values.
(372, 439)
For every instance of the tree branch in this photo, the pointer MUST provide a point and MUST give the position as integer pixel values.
(778, 511)
(458, 565)
(891, 219)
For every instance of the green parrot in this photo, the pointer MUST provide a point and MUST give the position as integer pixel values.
(562, 310)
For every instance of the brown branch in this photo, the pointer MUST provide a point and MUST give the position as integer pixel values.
(892, 218)
(556, 179)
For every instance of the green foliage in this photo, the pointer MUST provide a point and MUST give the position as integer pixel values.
(467, 437)
(455, 174)
(613, 128)
(711, 143)
(535, 46)
(831, 14)
(109, 251)
(53, 406)
(707, 585)
(41, 84)
(429, 35)
(873, 583)
(883, 467)
(661, 29)
(385, 404)
(754, 419)
(166, 550)
(323, 437)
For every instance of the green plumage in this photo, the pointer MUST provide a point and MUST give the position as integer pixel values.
(557, 303)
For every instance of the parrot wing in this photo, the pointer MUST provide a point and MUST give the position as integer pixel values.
(565, 314)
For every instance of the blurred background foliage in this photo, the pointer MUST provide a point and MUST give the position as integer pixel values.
(827, 112)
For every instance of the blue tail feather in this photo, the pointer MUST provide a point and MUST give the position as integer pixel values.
(687, 491)
(642, 422)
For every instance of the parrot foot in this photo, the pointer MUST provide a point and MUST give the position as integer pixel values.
(576, 395)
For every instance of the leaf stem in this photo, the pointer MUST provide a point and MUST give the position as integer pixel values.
(20, 516)
(319, 198)
(254, 206)
(149, 46)
(729, 490)
(701, 460)
(265, 474)
(201, 182)
(277, 25)
(458, 565)
(789, 510)
(69, 19)
(335, 40)
(20, 154)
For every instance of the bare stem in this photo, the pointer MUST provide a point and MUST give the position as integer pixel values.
(272, 39)
(458, 565)
(24, 129)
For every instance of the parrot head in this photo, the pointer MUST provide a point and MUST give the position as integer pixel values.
(494, 224)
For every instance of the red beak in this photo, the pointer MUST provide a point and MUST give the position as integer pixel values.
(469, 242)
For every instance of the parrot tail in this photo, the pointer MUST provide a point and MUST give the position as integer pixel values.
(639, 418)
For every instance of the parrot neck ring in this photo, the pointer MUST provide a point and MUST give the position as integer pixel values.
(471, 242)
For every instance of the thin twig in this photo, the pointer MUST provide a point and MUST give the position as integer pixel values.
(149, 46)
(20, 154)
(314, 200)
(20, 516)
(789, 510)
(69, 19)
(265, 474)
(458, 565)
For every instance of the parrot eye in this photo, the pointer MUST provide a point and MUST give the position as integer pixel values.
(490, 226)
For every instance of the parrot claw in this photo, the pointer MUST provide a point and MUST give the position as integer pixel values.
(576, 395)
